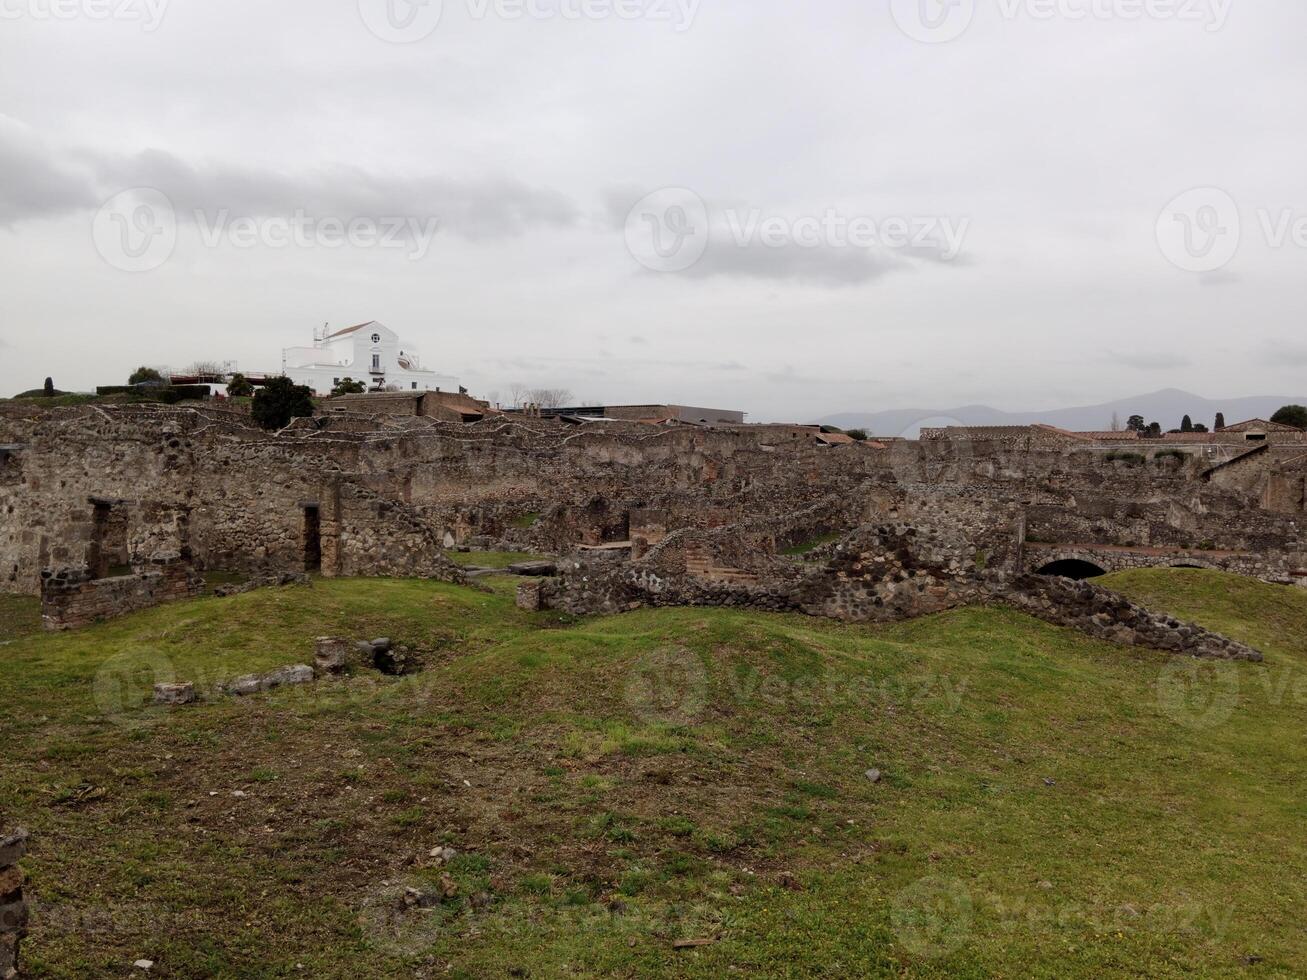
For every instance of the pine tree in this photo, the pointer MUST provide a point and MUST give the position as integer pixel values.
(1186, 424)
(1220, 421)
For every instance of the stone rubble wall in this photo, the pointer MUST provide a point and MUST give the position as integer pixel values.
(13, 906)
(72, 598)
(885, 573)
(394, 491)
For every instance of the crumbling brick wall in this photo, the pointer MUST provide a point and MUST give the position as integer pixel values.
(73, 598)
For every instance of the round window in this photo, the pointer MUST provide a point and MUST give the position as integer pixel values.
(376, 338)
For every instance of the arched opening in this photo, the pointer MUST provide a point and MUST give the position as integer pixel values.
(1073, 568)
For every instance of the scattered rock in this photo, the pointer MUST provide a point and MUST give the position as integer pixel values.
(790, 882)
(443, 854)
(331, 655)
(144, 964)
(281, 677)
(448, 886)
(1050, 782)
(13, 847)
(415, 898)
(175, 694)
(692, 943)
(874, 775)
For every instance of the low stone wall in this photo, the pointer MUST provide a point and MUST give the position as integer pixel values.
(13, 907)
(887, 574)
(71, 598)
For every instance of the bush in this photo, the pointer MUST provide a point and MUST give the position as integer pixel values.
(1295, 415)
(239, 386)
(857, 435)
(348, 386)
(279, 401)
(143, 374)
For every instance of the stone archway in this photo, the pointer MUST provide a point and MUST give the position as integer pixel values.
(1073, 568)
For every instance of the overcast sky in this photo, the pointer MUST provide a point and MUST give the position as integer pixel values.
(838, 205)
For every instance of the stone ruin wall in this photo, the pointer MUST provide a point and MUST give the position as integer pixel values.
(391, 494)
(13, 905)
(71, 598)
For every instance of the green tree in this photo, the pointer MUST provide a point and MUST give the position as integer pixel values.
(279, 401)
(348, 386)
(1295, 415)
(238, 386)
(1186, 424)
(48, 388)
(1136, 423)
(1220, 421)
(145, 374)
(1154, 430)
(857, 435)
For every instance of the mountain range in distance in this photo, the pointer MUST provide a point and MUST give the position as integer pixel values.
(1168, 407)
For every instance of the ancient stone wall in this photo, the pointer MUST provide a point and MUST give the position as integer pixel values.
(13, 906)
(73, 598)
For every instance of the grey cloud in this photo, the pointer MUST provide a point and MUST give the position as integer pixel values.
(1146, 360)
(40, 184)
(35, 184)
(824, 266)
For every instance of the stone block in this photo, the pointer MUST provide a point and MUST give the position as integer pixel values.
(12, 848)
(175, 694)
(281, 677)
(530, 596)
(332, 655)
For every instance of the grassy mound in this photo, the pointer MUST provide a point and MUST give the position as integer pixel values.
(667, 793)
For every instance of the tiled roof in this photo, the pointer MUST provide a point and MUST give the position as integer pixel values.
(348, 330)
(1260, 424)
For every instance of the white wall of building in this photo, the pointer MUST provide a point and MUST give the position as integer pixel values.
(371, 353)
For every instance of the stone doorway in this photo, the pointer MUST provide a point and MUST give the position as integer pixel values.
(312, 538)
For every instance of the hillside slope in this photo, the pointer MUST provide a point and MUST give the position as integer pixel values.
(1046, 805)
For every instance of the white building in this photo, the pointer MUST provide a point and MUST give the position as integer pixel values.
(368, 352)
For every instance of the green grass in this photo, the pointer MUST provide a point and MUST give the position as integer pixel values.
(611, 786)
(491, 559)
(798, 550)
